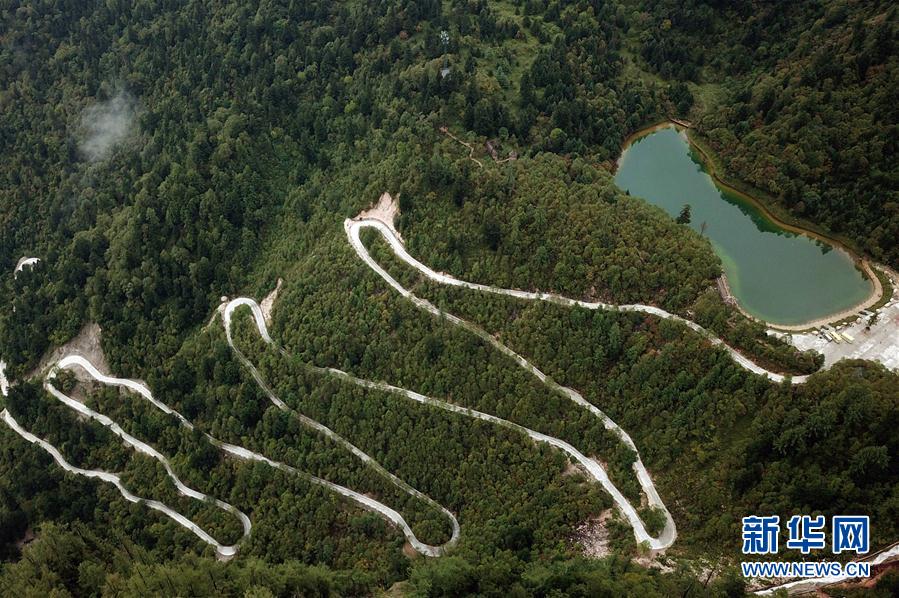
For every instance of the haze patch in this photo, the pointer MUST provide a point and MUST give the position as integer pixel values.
(107, 125)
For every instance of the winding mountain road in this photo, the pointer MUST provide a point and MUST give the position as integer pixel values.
(594, 469)
(669, 532)
(225, 552)
(353, 228)
(71, 361)
(227, 311)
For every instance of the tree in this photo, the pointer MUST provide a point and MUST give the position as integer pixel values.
(684, 216)
(681, 97)
(491, 232)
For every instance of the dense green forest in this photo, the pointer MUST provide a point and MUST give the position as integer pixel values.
(706, 426)
(805, 98)
(160, 155)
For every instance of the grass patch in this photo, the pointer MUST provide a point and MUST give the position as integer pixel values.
(887, 285)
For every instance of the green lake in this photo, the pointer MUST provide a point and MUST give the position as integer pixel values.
(776, 275)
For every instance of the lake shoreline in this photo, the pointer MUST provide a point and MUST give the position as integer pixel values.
(712, 168)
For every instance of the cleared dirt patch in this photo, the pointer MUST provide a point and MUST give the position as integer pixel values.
(86, 343)
(385, 210)
(269, 302)
(592, 536)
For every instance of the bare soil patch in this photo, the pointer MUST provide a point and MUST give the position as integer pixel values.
(269, 302)
(385, 210)
(593, 536)
(86, 343)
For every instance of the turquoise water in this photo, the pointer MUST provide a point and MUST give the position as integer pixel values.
(776, 275)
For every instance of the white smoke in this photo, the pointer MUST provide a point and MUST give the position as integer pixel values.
(105, 125)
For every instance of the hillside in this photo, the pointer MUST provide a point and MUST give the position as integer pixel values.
(797, 101)
(165, 159)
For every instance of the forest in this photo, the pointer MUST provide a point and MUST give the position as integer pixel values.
(809, 103)
(163, 155)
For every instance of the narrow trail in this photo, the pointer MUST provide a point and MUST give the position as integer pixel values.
(470, 147)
